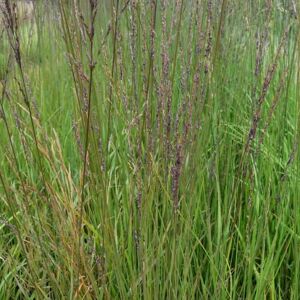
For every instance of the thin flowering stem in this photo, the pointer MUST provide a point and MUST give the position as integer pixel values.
(90, 32)
(113, 67)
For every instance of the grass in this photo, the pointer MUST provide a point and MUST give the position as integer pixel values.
(149, 150)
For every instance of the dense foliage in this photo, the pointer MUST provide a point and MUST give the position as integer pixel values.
(149, 149)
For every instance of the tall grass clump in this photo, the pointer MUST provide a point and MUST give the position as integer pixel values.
(149, 149)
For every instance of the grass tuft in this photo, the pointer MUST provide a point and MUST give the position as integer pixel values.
(149, 149)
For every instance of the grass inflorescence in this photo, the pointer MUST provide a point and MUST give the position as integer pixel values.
(149, 149)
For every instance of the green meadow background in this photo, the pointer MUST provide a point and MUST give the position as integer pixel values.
(149, 149)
